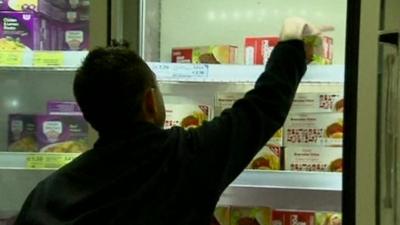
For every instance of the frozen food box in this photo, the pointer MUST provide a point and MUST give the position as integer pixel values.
(328, 218)
(313, 129)
(221, 216)
(20, 31)
(250, 216)
(281, 217)
(258, 49)
(55, 107)
(75, 37)
(268, 158)
(186, 115)
(70, 4)
(226, 100)
(66, 11)
(67, 134)
(60, 14)
(69, 37)
(318, 102)
(322, 49)
(22, 133)
(18, 5)
(213, 54)
(327, 159)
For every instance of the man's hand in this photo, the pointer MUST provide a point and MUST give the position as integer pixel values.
(295, 28)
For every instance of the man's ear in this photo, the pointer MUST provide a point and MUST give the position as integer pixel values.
(150, 103)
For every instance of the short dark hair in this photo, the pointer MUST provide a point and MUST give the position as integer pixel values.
(109, 86)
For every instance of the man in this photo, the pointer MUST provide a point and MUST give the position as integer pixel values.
(137, 172)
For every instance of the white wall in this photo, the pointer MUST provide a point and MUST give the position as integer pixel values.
(205, 22)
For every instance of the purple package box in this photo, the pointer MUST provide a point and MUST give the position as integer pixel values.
(70, 4)
(75, 36)
(22, 133)
(17, 5)
(26, 28)
(67, 134)
(50, 9)
(63, 15)
(55, 107)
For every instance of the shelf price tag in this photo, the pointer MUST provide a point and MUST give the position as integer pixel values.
(189, 72)
(162, 71)
(48, 59)
(11, 58)
(48, 161)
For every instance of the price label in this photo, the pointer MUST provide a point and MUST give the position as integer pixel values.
(162, 71)
(48, 59)
(11, 58)
(190, 71)
(187, 72)
(48, 161)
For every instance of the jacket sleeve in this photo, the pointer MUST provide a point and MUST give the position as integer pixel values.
(222, 148)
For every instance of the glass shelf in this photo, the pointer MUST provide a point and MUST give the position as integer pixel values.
(36, 60)
(280, 189)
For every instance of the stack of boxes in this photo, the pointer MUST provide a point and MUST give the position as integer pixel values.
(257, 51)
(62, 130)
(44, 25)
(311, 139)
(269, 216)
(314, 133)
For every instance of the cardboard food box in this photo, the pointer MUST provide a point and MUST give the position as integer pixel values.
(327, 159)
(213, 54)
(322, 49)
(186, 115)
(48, 8)
(18, 5)
(21, 31)
(318, 102)
(71, 108)
(259, 49)
(250, 216)
(268, 158)
(328, 218)
(66, 134)
(70, 4)
(281, 217)
(72, 36)
(22, 133)
(313, 129)
(221, 216)
(226, 100)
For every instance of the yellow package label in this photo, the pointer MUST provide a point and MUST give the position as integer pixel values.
(48, 161)
(48, 59)
(11, 58)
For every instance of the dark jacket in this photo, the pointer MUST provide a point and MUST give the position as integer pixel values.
(147, 175)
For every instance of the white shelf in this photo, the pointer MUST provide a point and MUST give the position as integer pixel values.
(237, 73)
(290, 180)
(178, 72)
(286, 190)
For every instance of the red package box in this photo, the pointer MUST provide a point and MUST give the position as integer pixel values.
(258, 49)
(213, 54)
(292, 218)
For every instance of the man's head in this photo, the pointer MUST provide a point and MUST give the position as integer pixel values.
(114, 88)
